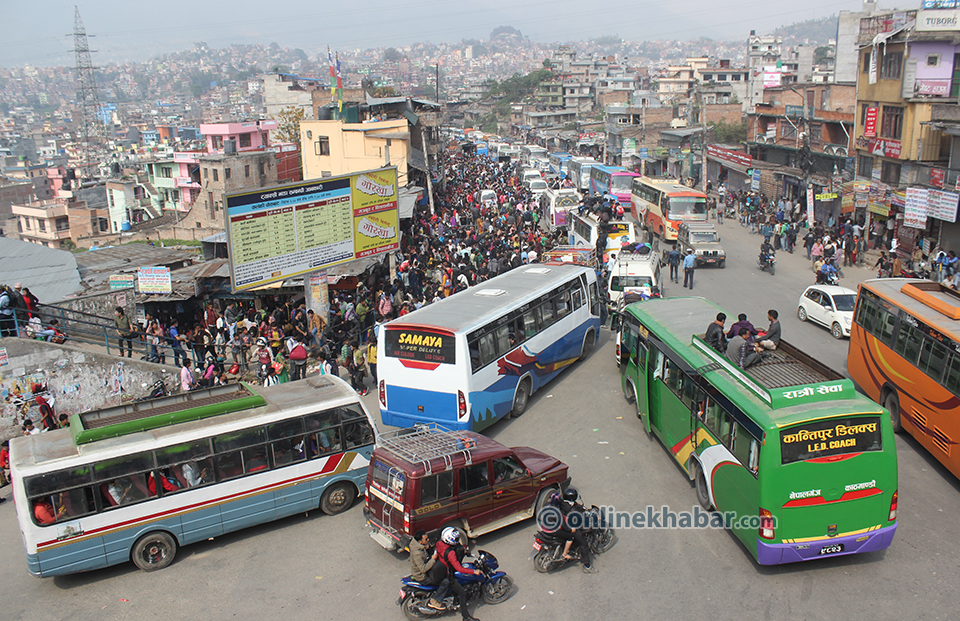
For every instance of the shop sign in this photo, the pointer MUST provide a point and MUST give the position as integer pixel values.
(870, 122)
(884, 147)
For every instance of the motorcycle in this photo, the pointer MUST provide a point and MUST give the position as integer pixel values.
(548, 547)
(767, 263)
(157, 390)
(492, 586)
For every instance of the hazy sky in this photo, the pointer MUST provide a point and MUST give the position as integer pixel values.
(36, 33)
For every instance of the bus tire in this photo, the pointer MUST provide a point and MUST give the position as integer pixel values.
(154, 551)
(700, 482)
(588, 342)
(892, 403)
(521, 398)
(337, 498)
(628, 392)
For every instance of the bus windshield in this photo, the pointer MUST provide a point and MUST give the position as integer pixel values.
(622, 182)
(687, 207)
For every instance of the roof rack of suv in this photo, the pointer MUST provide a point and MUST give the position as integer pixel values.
(423, 443)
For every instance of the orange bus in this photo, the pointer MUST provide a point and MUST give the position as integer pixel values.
(905, 355)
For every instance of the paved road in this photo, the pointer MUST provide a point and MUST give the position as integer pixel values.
(321, 567)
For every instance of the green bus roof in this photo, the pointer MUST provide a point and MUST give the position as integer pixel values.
(155, 413)
(788, 388)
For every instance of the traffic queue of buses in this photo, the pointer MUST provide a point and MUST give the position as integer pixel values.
(789, 443)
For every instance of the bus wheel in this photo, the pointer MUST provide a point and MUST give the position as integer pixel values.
(703, 494)
(892, 403)
(628, 393)
(154, 551)
(337, 498)
(521, 398)
(588, 342)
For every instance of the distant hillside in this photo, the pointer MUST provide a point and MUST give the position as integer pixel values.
(813, 31)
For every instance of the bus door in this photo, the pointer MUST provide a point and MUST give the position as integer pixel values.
(656, 389)
(633, 363)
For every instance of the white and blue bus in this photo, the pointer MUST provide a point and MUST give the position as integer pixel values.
(135, 482)
(473, 358)
(579, 172)
(559, 160)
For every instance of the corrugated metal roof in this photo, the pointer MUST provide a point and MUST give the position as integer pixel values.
(50, 274)
(127, 257)
(217, 268)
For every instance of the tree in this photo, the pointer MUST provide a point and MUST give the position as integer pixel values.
(392, 55)
(288, 124)
(728, 133)
(384, 91)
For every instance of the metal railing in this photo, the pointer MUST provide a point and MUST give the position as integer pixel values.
(81, 327)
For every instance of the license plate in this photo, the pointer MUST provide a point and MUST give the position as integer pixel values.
(402, 594)
(711, 260)
(536, 546)
(831, 549)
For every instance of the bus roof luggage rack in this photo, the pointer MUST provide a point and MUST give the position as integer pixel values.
(139, 416)
(933, 295)
(424, 443)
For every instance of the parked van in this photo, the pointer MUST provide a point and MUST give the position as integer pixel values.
(530, 173)
(634, 271)
(429, 477)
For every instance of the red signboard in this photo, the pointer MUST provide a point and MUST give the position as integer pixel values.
(884, 147)
(936, 177)
(734, 157)
(870, 122)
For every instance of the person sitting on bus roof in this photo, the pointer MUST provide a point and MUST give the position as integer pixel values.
(742, 350)
(742, 322)
(715, 337)
(772, 338)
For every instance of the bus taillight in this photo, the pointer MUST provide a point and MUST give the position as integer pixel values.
(766, 524)
(383, 393)
(461, 404)
(406, 521)
(893, 507)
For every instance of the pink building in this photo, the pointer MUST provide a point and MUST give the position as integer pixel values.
(249, 136)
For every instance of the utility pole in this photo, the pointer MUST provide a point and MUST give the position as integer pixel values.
(438, 83)
(92, 134)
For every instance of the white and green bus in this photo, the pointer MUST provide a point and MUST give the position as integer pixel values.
(137, 481)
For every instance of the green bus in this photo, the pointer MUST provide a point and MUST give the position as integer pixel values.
(807, 466)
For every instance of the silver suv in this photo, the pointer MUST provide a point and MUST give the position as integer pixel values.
(704, 240)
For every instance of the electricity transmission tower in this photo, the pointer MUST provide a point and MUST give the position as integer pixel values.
(92, 135)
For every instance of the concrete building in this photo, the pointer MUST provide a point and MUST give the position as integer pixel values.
(128, 202)
(848, 46)
(336, 148)
(908, 126)
(51, 223)
(239, 137)
(283, 90)
(225, 174)
(789, 118)
(763, 52)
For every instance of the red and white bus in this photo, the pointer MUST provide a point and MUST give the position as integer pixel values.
(662, 204)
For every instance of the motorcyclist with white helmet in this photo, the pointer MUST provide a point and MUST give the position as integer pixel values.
(451, 552)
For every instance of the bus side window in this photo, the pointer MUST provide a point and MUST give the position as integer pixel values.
(951, 380)
(908, 343)
(754, 463)
(886, 322)
(529, 325)
(741, 444)
(577, 298)
(658, 364)
(933, 358)
(474, 347)
(547, 313)
(594, 299)
(436, 487)
(563, 305)
(615, 284)
(124, 480)
(503, 340)
(726, 426)
(711, 416)
(488, 350)
(357, 433)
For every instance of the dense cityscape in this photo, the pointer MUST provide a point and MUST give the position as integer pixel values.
(499, 328)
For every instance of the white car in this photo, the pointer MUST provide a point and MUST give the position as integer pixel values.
(829, 305)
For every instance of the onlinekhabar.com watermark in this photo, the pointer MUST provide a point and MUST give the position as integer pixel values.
(551, 518)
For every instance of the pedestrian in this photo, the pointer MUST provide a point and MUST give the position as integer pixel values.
(124, 331)
(187, 380)
(176, 341)
(689, 263)
(673, 260)
(298, 358)
(7, 309)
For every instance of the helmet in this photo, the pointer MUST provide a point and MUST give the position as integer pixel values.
(554, 498)
(261, 342)
(450, 536)
(571, 494)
